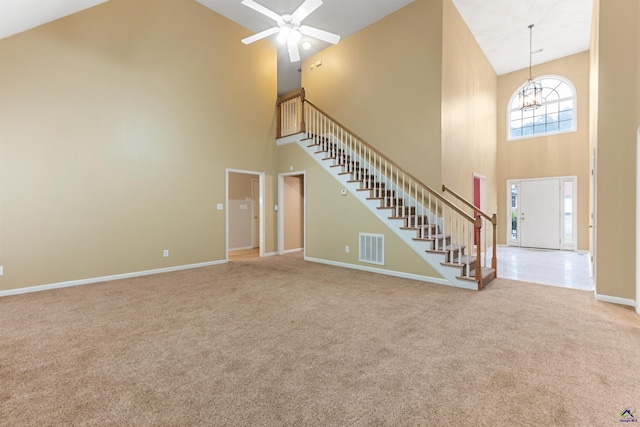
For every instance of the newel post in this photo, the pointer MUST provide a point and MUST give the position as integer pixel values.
(478, 227)
(494, 260)
(303, 124)
(278, 119)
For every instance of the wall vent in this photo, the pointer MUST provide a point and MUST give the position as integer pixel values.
(372, 248)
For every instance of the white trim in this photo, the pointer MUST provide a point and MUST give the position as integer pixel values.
(435, 280)
(638, 225)
(289, 139)
(261, 177)
(50, 286)
(290, 251)
(615, 300)
(243, 248)
(266, 254)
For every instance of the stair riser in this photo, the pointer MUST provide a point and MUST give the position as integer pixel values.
(450, 274)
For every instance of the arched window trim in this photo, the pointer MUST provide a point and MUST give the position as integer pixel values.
(574, 123)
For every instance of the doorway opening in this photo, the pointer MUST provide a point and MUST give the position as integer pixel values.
(292, 213)
(245, 214)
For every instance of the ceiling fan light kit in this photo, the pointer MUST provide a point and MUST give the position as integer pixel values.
(289, 29)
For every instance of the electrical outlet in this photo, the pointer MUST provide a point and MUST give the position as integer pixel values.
(165, 253)
(346, 249)
(1, 270)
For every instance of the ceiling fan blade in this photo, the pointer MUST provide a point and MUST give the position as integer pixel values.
(306, 9)
(260, 8)
(294, 52)
(260, 35)
(319, 34)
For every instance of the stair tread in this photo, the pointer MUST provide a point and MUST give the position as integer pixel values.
(415, 218)
(446, 249)
(432, 238)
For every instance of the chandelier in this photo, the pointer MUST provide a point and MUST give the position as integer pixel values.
(531, 93)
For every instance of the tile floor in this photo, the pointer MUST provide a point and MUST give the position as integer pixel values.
(559, 268)
(549, 267)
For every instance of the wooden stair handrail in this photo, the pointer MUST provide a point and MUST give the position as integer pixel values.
(467, 203)
(291, 95)
(369, 146)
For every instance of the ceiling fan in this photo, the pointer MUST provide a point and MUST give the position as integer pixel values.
(289, 29)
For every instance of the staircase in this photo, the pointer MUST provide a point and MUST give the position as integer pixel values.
(439, 231)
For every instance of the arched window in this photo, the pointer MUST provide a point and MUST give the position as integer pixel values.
(557, 114)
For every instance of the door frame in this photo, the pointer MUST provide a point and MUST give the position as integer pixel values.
(638, 226)
(573, 246)
(261, 177)
(281, 208)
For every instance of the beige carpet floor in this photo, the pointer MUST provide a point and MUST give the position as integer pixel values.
(280, 341)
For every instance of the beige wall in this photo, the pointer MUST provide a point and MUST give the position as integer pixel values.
(240, 185)
(618, 113)
(116, 127)
(334, 221)
(565, 154)
(469, 87)
(384, 83)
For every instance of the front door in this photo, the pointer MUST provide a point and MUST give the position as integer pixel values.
(540, 213)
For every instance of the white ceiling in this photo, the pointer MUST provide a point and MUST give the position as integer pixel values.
(22, 15)
(561, 28)
(500, 26)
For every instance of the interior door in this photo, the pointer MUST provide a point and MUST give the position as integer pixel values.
(540, 214)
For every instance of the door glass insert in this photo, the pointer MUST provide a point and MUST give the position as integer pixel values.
(514, 212)
(568, 212)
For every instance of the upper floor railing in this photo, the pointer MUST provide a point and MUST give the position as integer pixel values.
(291, 113)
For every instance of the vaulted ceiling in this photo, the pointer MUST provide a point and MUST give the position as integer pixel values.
(500, 26)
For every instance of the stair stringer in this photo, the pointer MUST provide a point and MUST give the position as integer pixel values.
(435, 260)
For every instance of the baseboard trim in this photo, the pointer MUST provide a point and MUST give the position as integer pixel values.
(290, 251)
(243, 248)
(435, 280)
(266, 254)
(615, 300)
(80, 282)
